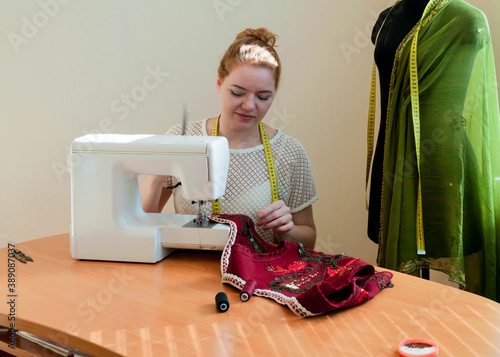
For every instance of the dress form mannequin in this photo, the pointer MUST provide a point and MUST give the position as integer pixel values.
(442, 150)
(400, 21)
(398, 24)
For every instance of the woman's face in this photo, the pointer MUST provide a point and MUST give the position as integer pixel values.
(247, 93)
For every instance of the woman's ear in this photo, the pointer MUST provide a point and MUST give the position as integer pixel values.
(218, 84)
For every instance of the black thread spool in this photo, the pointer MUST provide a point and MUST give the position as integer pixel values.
(222, 302)
(248, 290)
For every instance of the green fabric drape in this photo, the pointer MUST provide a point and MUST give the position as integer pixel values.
(459, 153)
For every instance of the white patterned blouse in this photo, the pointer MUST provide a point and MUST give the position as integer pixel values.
(248, 189)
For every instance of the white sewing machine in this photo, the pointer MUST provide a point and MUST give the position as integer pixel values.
(108, 221)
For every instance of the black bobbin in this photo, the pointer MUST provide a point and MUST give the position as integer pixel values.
(222, 302)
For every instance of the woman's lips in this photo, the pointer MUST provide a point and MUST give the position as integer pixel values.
(245, 117)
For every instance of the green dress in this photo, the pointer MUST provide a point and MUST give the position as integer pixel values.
(459, 150)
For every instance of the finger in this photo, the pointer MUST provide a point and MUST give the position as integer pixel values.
(284, 227)
(281, 220)
(271, 208)
(273, 215)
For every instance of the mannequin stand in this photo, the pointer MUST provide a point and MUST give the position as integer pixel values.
(425, 274)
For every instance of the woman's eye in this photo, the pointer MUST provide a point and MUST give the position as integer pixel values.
(264, 98)
(236, 94)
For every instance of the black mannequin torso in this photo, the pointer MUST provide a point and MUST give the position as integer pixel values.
(399, 23)
(401, 20)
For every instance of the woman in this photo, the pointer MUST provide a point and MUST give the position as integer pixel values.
(247, 80)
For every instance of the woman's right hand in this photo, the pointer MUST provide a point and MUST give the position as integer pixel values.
(154, 196)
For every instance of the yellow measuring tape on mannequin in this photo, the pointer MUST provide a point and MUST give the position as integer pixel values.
(269, 160)
(415, 117)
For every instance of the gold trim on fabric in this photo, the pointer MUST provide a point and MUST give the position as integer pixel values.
(440, 264)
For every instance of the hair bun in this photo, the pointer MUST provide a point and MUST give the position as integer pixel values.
(255, 47)
(262, 34)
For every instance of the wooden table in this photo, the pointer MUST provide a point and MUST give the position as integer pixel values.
(168, 309)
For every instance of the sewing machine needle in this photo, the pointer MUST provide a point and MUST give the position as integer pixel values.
(185, 113)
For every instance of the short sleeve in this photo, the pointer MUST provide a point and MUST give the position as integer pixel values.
(297, 178)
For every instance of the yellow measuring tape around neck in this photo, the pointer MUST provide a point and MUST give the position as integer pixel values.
(269, 160)
(415, 118)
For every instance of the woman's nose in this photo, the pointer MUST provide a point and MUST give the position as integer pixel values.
(248, 103)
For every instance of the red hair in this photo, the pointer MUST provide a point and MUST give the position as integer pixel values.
(253, 47)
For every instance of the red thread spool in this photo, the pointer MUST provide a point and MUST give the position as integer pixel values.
(248, 290)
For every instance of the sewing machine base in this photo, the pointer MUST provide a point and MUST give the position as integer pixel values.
(149, 240)
(212, 236)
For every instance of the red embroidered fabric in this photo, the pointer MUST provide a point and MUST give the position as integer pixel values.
(310, 283)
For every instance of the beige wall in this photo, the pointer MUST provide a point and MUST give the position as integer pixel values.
(68, 66)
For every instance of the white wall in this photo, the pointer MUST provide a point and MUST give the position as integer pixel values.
(68, 66)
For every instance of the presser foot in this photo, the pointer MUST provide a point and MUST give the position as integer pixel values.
(194, 224)
(200, 220)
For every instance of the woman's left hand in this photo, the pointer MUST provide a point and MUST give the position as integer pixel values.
(276, 216)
